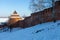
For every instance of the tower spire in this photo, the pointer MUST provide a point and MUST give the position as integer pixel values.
(15, 12)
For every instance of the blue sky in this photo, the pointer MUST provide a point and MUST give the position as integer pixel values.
(7, 7)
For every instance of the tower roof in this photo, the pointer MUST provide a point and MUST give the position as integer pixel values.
(15, 15)
(15, 12)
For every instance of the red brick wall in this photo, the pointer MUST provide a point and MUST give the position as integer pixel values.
(40, 17)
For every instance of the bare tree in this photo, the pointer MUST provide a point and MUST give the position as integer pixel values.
(38, 5)
(53, 9)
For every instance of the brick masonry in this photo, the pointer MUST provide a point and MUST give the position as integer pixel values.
(40, 17)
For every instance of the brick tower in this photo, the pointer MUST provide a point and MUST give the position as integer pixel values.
(14, 18)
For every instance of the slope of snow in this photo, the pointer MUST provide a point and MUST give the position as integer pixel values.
(44, 31)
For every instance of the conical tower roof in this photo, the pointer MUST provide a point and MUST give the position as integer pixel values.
(15, 12)
(15, 15)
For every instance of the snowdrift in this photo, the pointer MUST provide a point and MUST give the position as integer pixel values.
(44, 31)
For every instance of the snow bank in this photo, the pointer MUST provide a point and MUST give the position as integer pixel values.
(45, 31)
(3, 19)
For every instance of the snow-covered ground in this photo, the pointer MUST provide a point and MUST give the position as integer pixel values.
(3, 19)
(44, 31)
